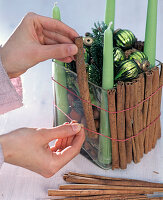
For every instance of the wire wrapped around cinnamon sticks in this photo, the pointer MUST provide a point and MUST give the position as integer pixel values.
(84, 88)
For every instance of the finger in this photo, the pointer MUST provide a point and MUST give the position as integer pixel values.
(59, 132)
(66, 60)
(64, 143)
(57, 37)
(57, 145)
(57, 51)
(69, 141)
(57, 26)
(48, 41)
(70, 152)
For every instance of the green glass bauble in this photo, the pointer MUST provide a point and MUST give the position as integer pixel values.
(128, 70)
(124, 39)
(118, 57)
(141, 59)
(138, 55)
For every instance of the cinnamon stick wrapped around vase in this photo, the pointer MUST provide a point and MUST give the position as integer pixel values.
(121, 124)
(129, 129)
(113, 128)
(147, 109)
(159, 99)
(155, 105)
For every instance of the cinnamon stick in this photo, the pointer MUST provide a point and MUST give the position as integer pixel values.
(121, 124)
(140, 112)
(71, 193)
(159, 101)
(132, 119)
(108, 187)
(147, 109)
(137, 183)
(103, 177)
(84, 88)
(135, 121)
(129, 129)
(108, 197)
(156, 105)
(113, 128)
(154, 128)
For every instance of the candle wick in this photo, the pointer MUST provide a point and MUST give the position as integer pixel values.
(110, 24)
(55, 4)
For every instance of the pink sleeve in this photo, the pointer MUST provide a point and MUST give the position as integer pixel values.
(10, 92)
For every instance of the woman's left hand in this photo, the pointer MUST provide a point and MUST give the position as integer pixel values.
(37, 39)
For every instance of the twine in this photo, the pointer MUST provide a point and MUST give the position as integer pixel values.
(118, 140)
(127, 109)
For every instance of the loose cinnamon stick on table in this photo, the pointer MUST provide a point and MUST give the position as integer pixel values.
(105, 178)
(113, 128)
(140, 112)
(71, 193)
(108, 197)
(84, 88)
(109, 187)
(154, 128)
(147, 109)
(93, 176)
(135, 121)
(129, 129)
(159, 101)
(132, 182)
(121, 124)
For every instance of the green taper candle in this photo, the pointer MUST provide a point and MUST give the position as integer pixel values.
(56, 12)
(59, 75)
(151, 30)
(105, 155)
(110, 12)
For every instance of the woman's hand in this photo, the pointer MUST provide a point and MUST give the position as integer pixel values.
(36, 39)
(29, 148)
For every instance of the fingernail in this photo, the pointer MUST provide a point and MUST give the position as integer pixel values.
(72, 49)
(74, 121)
(82, 125)
(76, 127)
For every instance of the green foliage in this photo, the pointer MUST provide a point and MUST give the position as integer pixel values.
(96, 50)
(94, 75)
(98, 30)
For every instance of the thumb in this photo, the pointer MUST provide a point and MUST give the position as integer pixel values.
(57, 51)
(60, 132)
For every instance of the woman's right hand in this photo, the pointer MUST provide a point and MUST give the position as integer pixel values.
(29, 147)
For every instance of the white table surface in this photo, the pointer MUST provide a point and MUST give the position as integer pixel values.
(20, 184)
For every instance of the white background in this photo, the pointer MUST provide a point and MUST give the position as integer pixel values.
(17, 183)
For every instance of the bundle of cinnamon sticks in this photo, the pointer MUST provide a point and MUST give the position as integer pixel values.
(138, 117)
(85, 186)
(133, 114)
